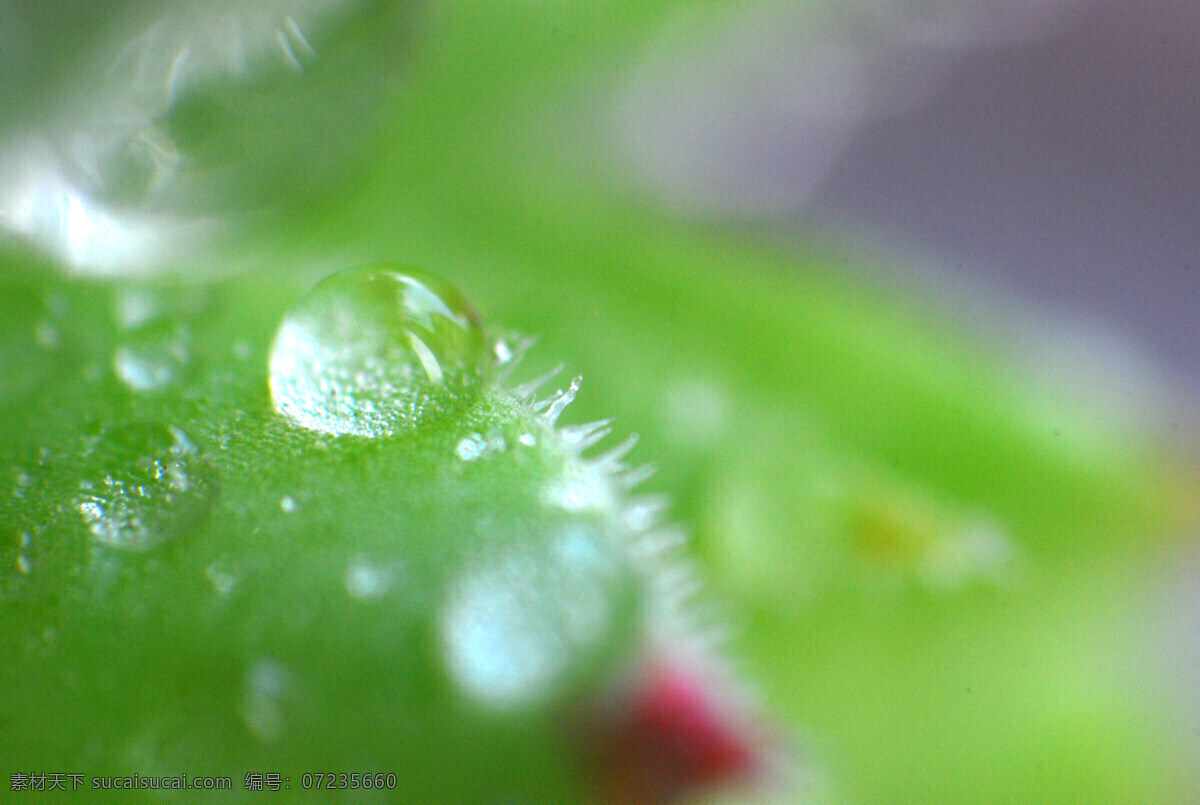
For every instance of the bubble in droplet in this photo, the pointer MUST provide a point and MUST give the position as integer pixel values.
(373, 351)
(365, 580)
(28, 342)
(288, 504)
(153, 356)
(150, 487)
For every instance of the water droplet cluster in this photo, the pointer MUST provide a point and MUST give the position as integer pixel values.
(375, 351)
(149, 487)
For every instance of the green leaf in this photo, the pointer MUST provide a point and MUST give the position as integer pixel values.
(940, 560)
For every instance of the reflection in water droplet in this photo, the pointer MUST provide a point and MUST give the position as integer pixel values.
(513, 629)
(365, 580)
(173, 121)
(153, 356)
(373, 351)
(267, 684)
(150, 487)
(39, 203)
(27, 343)
(288, 504)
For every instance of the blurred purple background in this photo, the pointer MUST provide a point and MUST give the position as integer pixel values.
(1066, 169)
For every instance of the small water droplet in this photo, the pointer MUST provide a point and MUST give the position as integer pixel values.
(288, 504)
(135, 307)
(475, 445)
(373, 351)
(21, 482)
(153, 356)
(23, 562)
(222, 579)
(267, 685)
(527, 439)
(151, 487)
(504, 353)
(365, 580)
(46, 335)
(470, 447)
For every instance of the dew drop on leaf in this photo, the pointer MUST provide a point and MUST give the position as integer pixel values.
(153, 356)
(516, 627)
(470, 447)
(374, 351)
(365, 580)
(268, 684)
(222, 578)
(148, 486)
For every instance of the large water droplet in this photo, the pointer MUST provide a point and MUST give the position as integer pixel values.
(150, 487)
(373, 351)
(151, 133)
